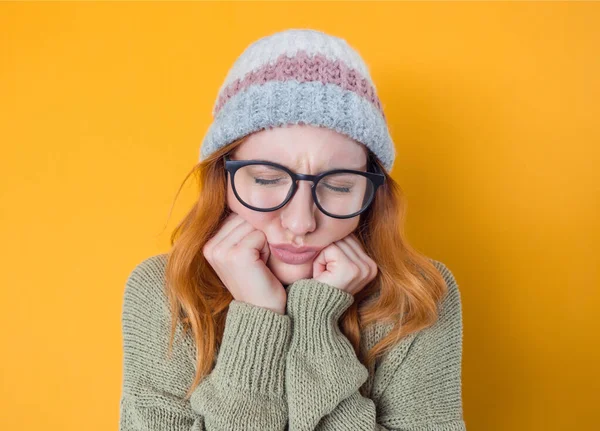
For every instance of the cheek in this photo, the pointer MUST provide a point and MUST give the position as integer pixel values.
(232, 202)
(338, 229)
(260, 220)
(235, 205)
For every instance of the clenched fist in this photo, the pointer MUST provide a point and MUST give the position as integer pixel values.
(239, 253)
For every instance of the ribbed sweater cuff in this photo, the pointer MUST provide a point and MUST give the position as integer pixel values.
(252, 353)
(315, 309)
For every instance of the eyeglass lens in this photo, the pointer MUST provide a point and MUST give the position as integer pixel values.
(266, 187)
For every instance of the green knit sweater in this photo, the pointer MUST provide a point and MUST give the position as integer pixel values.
(286, 372)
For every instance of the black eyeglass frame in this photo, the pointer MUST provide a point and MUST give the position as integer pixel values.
(377, 178)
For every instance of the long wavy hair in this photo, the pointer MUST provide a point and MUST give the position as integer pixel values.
(405, 293)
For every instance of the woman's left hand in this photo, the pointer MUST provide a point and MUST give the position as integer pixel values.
(345, 265)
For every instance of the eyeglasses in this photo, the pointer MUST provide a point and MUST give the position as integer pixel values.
(267, 186)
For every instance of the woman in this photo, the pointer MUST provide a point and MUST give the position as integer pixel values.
(290, 298)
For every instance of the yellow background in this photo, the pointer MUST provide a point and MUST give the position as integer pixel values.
(494, 109)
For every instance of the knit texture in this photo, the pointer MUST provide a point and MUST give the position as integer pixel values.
(300, 76)
(287, 372)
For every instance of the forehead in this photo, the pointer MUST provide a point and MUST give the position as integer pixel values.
(300, 146)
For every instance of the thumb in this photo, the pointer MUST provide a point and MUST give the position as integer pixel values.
(320, 264)
(264, 250)
(257, 242)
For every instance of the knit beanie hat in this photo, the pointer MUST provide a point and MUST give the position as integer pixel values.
(300, 76)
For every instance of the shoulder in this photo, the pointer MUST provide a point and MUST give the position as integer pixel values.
(443, 336)
(150, 373)
(146, 312)
(145, 284)
(451, 302)
(441, 343)
(447, 329)
(444, 270)
(420, 384)
(449, 305)
(150, 270)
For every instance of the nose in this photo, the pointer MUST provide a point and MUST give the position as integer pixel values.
(298, 215)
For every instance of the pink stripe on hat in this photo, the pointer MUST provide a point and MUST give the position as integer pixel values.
(304, 67)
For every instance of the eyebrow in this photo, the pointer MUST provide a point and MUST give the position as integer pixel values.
(295, 168)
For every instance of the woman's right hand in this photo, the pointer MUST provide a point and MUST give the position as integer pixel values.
(239, 253)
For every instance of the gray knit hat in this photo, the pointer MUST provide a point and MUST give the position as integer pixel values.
(300, 76)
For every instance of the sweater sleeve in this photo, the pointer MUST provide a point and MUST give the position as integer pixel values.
(323, 374)
(244, 391)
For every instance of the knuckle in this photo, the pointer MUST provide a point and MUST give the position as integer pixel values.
(373, 266)
(219, 254)
(354, 270)
(235, 254)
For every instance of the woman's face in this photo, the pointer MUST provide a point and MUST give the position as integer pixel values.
(304, 149)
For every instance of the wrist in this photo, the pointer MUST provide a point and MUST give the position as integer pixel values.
(252, 352)
(315, 309)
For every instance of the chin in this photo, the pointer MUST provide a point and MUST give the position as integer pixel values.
(287, 273)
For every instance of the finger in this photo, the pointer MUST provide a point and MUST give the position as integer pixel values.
(347, 249)
(356, 246)
(227, 225)
(359, 250)
(330, 254)
(256, 240)
(354, 257)
(236, 235)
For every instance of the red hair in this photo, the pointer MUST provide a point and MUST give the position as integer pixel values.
(405, 292)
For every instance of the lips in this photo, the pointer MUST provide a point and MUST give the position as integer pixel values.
(294, 249)
(293, 258)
